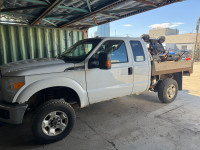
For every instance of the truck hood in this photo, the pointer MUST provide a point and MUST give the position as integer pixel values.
(34, 66)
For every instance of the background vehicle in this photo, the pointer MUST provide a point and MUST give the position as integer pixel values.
(91, 71)
(184, 55)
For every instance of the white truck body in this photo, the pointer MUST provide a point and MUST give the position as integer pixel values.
(91, 71)
(131, 74)
(92, 85)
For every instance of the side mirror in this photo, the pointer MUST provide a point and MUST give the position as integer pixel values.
(104, 61)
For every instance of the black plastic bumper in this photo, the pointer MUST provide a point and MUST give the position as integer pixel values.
(12, 113)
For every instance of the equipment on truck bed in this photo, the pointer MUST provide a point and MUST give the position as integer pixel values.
(176, 56)
(157, 50)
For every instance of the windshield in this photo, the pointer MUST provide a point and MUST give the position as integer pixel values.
(79, 51)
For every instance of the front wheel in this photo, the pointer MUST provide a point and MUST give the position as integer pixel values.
(53, 121)
(167, 90)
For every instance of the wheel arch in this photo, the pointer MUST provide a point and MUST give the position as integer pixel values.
(177, 76)
(26, 92)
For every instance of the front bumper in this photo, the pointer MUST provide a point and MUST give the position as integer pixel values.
(12, 113)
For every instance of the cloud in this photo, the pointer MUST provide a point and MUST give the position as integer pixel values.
(165, 25)
(127, 25)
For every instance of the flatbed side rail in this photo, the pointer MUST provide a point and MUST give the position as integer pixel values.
(169, 67)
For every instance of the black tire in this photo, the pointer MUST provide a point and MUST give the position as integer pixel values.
(163, 89)
(42, 113)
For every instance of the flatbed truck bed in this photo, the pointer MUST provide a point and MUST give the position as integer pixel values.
(169, 67)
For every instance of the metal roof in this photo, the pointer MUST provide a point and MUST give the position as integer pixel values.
(78, 14)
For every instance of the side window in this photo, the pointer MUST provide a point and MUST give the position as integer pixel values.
(138, 52)
(117, 49)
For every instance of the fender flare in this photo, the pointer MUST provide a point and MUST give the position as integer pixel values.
(25, 93)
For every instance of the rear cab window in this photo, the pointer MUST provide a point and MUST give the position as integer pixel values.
(138, 51)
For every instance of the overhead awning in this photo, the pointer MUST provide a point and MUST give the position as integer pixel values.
(78, 14)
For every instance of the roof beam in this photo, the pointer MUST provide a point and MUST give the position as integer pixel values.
(59, 19)
(13, 17)
(128, 9)
(163, 2)
(18, 14)
(78, 26)
(47, 1)
(36, 1)
(40, 25)
(49, 22)
(167, 2)
(48, 10)
(84, 23)
(89, 6)
(32, 16)
(95, 20)
(0, 10)
(23, 8)
(146, 2)
(73, 8)
(65, 14)
(106, 15)
(100, 9)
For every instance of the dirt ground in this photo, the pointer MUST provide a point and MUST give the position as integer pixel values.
(192, 83)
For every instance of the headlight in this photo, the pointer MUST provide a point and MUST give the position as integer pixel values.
(10, 86)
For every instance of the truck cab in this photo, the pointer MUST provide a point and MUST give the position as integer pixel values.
(129, 73)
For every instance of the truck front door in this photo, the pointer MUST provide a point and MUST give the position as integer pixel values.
(115, 82)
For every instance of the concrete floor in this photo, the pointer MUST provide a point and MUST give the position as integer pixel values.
(133, 122)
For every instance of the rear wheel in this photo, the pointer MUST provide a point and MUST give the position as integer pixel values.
(53, 121)
(168, 90)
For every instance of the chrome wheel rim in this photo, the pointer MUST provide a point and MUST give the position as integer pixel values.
(54, 123)
(171, 91)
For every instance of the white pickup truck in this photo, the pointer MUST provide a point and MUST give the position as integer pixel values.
(91, 71)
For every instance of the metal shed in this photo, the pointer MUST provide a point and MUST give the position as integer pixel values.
(19, 42)
(48, 27)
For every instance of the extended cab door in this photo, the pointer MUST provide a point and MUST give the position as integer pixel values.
(115, 82)
(141, 66)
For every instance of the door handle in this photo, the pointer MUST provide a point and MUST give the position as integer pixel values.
(130, 71)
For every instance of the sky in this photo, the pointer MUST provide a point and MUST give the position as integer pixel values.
(182, 16)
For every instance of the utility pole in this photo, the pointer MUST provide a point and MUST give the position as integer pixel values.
(196, 50)
(0, 9)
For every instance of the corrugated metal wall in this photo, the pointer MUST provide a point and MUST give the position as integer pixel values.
(23, 42)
